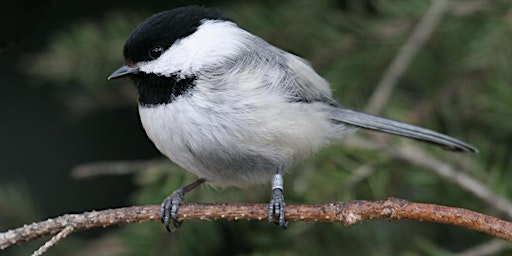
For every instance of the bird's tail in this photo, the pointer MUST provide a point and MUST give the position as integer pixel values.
(380, 124)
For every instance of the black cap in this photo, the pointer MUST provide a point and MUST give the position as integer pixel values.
(164, 28)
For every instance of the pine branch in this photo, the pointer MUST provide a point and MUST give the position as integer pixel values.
(348, 213)
(402, 60)
(419, 157)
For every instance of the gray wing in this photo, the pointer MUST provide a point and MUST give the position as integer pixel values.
(301, 83)
(385, 125)
(309, 87)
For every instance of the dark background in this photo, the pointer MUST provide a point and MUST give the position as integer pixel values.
(40, 142)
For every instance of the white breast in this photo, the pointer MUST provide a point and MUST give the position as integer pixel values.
(236, 138)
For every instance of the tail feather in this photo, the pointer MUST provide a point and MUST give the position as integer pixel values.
(380, 124)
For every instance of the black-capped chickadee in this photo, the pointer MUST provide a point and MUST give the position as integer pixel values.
(229, 107)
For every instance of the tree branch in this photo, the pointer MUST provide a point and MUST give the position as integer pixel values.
(55, 239)
(348, 213)
(89, 170)
(405, 55)
(419, 157)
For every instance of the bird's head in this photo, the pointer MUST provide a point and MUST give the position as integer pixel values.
(178, 42)
(167, 51)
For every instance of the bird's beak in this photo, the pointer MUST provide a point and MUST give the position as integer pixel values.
(123, 71)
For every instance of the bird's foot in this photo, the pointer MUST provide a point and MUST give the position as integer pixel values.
(170, 206)
(169, 210)
(276, 208)
(277, 204)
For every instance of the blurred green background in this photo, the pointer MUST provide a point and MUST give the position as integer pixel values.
(59, 111)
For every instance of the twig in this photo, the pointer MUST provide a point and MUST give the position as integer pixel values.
(415, 155)
(61, 235)
(406, 53)
(348, 213)
(358, 175)
(89, 170)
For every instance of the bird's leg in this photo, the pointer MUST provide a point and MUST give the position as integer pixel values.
(170, 206)
(277, 204)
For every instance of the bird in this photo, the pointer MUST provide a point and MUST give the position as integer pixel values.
(229, 107)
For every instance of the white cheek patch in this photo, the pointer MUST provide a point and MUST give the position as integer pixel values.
(213, 42)
(164, 65)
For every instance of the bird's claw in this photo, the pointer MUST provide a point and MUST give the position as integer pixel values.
(276, 208)
(169, 210)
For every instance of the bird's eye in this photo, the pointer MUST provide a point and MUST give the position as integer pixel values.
(156, 51)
